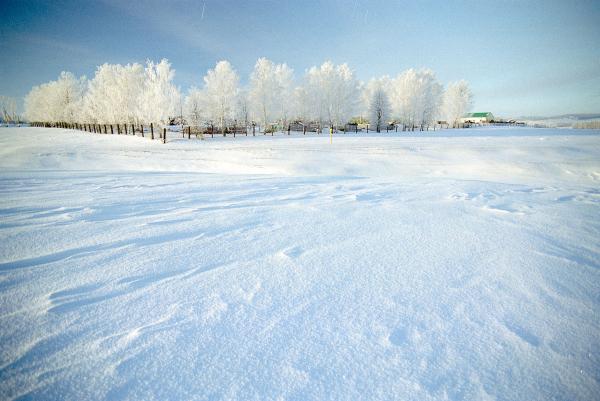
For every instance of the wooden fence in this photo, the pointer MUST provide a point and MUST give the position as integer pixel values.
(110, 129)
(188, 131)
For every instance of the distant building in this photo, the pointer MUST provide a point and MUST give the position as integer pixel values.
(485, 117)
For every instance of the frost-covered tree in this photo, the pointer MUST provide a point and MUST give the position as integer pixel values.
(194, 107)
(242, 109)
(159, 99)
(262, 90)
(114, 94)
(457, 100)
(431, 98)
(367, 95)
(379, 112)
(284, 78)
(271, 91)
(301, 104)
(55, 101)
(34, 105)
(70, 94)
(333, 90)
(415, 97)
(8, 109)
(221, 93)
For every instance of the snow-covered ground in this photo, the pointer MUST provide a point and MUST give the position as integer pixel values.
(462, 265)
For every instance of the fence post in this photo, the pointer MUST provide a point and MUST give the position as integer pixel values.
(118, 129)
(289, 127)
(151, 131)
(164, 135)
(111, 130)
(190, 132)
(367, 128)
(304, 130)
(125, 126)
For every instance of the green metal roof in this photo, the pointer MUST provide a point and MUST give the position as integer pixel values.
(485, 114)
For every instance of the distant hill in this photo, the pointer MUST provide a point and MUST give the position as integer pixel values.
(561, 121)
(576, 116)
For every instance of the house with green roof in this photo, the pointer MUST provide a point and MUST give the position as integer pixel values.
(478, 118)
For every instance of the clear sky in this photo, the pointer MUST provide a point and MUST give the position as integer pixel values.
(522, 58)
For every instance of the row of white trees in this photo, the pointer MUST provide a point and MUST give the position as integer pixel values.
(328, 94)
(117, 93)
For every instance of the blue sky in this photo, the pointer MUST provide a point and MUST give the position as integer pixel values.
(521, 57)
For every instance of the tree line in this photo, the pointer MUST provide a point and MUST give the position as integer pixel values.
(328, 94)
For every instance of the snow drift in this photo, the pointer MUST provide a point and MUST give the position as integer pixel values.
(453, 265)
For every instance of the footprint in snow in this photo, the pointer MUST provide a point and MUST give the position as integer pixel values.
(523, 334)
(459, 196)
(81, 290)
(505, 209)
(248, 296)
(294, 252)
(398, 337)
(214, 308)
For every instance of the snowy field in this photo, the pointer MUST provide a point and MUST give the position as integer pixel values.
(461, 265)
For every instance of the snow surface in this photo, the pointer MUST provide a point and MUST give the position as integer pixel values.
(462, 264)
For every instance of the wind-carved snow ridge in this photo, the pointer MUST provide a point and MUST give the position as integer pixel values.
(456, 265)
